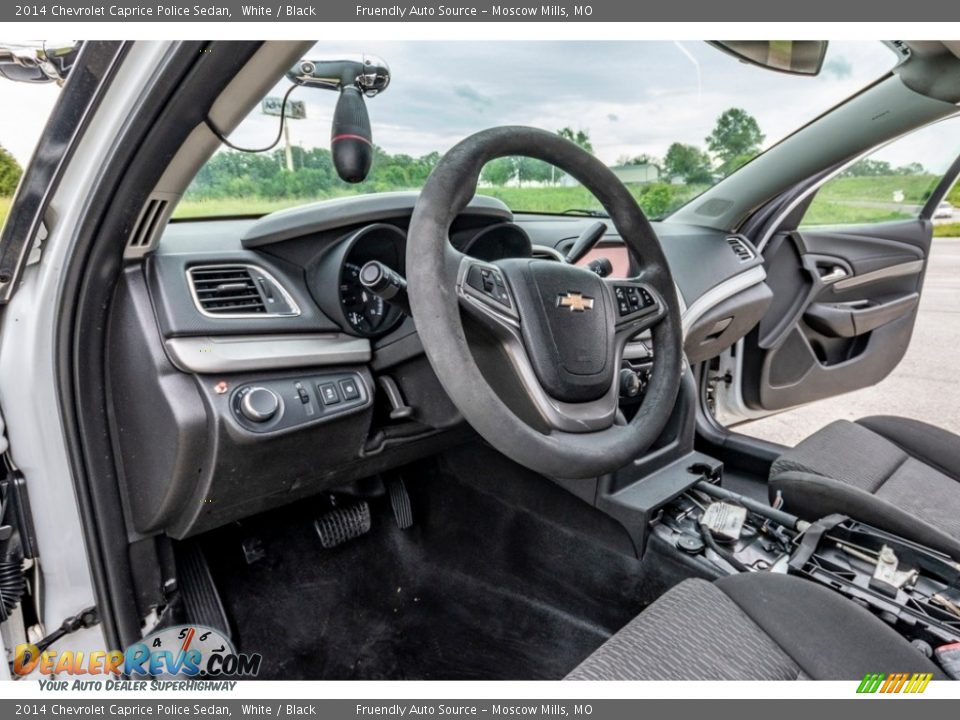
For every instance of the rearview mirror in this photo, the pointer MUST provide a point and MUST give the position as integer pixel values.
(795, 57)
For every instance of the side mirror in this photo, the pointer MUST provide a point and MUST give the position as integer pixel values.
(794, 57)
(37, 62)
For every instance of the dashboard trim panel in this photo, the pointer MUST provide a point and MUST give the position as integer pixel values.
(229, 354)
(362, 209)
(716, 295)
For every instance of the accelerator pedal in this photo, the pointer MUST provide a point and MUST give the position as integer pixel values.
(400, 502)
(201, 600)
(343, 523)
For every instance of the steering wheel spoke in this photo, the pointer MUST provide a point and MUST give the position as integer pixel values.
(638, 306)
(483, 291)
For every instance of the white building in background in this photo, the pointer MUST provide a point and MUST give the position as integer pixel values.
(628, 174)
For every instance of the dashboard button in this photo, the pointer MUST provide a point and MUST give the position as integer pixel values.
(328, 392)
(259, 404)
(349, 389)
(489, 282)
(302, 393)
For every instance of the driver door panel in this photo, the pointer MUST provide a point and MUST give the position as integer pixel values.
(845, 303)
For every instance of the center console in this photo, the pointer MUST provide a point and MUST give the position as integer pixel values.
(911, 587)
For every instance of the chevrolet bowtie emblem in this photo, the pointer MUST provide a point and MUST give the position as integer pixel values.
(575, 301)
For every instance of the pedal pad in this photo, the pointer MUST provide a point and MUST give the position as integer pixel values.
(343, 523)
(253, 550)
(400, 502)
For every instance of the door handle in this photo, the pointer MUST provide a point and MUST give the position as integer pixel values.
(833, 275)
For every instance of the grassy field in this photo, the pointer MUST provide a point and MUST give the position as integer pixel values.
(655, 199)
(947, 230)
(838, 204)
(915, 188)
(845, 200)
(235, 206)
(836, 213)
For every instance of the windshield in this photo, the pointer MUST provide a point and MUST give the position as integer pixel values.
(671, 119)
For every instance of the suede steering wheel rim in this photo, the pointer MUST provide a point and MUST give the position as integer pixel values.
(563, 327)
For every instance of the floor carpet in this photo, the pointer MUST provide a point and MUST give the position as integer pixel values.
(503, 576)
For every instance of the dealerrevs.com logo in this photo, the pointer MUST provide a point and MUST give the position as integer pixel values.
(192, 651)
(890, 683)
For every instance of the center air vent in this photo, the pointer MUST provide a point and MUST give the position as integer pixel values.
(236, 291)
(741, 249)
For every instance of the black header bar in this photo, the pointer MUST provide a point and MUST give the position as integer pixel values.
(480, 11)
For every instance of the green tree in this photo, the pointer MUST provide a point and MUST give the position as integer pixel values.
(735, 140)
(913, 168)
(532, 170)
(687, 162)
(642, 159)
(580, 137)
(656, 199)
(523, 169)
(10, 172)
(869, 167)
(498, 172)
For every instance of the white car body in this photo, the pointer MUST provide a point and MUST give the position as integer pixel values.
(944, 211)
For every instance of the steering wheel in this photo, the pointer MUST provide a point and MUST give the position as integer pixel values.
(562, 328)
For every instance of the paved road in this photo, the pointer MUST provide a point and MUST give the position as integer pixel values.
(908, 210)
(926, 385)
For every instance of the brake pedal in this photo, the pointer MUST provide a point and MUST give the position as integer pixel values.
(343, 523)
(400, 502)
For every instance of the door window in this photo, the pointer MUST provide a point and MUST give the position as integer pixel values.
(892, 183)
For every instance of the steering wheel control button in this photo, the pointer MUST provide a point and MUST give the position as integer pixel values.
(500, 290)
(489, 281)
(349, 389)
(632, 299)
(329, 394)
(623, 305)
(259, 404)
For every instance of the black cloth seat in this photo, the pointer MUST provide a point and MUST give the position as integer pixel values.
(900, 475)
(753, 626)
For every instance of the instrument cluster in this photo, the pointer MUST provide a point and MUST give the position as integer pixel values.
(334, 278)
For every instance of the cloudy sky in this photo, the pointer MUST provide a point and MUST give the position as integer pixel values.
(631, 97)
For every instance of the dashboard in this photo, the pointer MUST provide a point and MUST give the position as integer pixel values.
(252, 344)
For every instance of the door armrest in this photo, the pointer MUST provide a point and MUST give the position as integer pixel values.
(851, 319)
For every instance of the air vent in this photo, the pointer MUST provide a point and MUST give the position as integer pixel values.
(741, 249)
(238, 291)
(153, 218)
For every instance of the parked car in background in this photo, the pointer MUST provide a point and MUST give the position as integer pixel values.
(944, 211)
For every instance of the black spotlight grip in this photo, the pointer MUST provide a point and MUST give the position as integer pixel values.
(351, 140)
